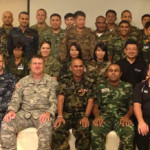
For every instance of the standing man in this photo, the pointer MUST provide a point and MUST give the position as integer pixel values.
(41, 25)
(133, 69)
(80, 34)
(102, 36)
(116, 45)
(24, 34)
(7, 84)
(33, 104)
(141, 103)
(7, 19)
(111, 17)
(113, 110)
(55, 34)
(75, 103)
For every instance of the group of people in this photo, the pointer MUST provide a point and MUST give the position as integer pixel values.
(89, 81)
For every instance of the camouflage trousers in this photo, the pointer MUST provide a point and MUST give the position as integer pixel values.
(126, 134)
(61, 134)
(10, 129)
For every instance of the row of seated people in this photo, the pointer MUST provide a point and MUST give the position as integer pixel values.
(95, 71)
(114, 36)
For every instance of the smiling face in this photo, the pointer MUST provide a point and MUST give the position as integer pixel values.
(100, 53)
(124, 29)
(127, 16)
(24, 20)
(41, 16)
(74, 53)
(45, 50)
(55, 22)
(7, 18)
(80, 21)
(100, 24)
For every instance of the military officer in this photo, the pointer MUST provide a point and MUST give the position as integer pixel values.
(112, 111)
(33, 104)
(75, 103)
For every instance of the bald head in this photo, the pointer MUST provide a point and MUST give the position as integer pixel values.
(7, 18)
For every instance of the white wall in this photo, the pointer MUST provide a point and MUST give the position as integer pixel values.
(15, 6)
(92, 8)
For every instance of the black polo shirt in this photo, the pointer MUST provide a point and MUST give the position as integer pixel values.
(142, 95)
(133, 73)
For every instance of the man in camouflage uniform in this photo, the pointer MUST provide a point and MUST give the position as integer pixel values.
(101, 34)
(114, 100)
(80, 35)
(146, 43)
(116, 44)
(55, 34)
(4, 32)
(24, 34)
(75, 103)
(7, 84)
(33, 104)
(41, 25)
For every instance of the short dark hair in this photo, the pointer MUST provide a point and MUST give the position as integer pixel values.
(111, 11)
(125, 12)
(130, 41)
(47, 42)
(147, 25)
(145, 15)
(79, 13)
(104, 48)
(55, 14)
(23, 12)
(78, 49)
(42, 10)
(113, 64)
(18, 45)
(124, 21)
(68, 15)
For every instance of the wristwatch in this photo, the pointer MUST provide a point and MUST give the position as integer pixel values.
(86, 116)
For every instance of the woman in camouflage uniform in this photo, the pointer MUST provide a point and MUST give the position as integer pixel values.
(17, 64)
(97, 67)
(73, 52)
(52, 66)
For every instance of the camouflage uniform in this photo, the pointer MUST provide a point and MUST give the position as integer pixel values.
(104, 38)
(29, 101)
(3, 40)
(29, 38)
(113, 32)
(86, 40)
(7, 84)
(20, 70)
(56, 40)
(114, 103)
(76, 99)
(42, 32)
(116, 47)
(97, 70)
(52, 67)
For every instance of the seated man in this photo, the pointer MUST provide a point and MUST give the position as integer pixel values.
(114, 101)
(7, 84)
(75, 103)
(33, 104)
(141, 103)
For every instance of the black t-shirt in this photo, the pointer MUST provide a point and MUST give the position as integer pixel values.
(133, 73)
(142, 95)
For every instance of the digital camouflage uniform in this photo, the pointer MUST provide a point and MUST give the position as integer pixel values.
(29, 38)
(76, 99)
(4, 32)
(20, 70)
(114, 103)
(116, 47)
(42, 32)
(56, 40)
(86, 40)
(104, 38)
(52, 67)
(29, 101)
(97, 70)
(7, 84)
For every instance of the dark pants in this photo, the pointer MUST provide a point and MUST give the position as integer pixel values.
(143, 141)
